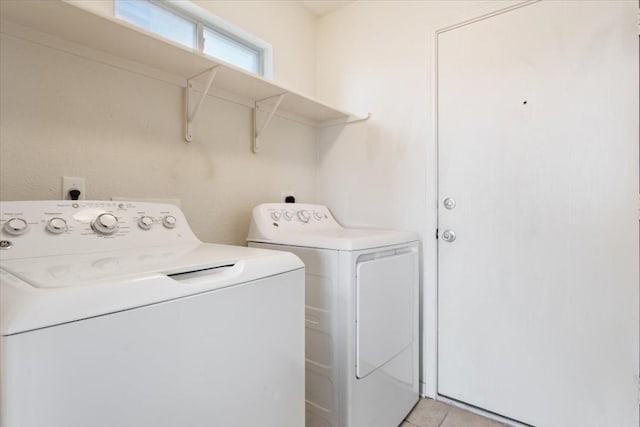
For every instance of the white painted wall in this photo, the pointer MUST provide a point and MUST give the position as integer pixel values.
(378, 56)
(122, 129)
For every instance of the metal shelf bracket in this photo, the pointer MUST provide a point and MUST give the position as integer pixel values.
(191, 115)
(258, 131)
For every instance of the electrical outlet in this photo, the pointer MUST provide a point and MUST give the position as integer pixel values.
(286, 193)
(72, 183)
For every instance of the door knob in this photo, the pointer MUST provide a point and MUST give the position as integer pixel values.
(449, 203)
(448, 235)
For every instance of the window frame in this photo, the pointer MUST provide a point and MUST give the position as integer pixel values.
(203, 19)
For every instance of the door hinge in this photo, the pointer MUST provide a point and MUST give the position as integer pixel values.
(436, 234)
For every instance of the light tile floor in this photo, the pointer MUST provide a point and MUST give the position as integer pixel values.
(429, 413)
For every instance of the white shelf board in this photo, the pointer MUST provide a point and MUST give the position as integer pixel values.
(118, 38)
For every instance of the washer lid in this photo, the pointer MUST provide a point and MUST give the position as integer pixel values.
(46, 291)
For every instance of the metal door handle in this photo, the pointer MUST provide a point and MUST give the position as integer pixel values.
(448, 235)
(449, 203)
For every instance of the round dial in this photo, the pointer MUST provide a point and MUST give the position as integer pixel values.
(169, 221)
(276, 216)
(16, 226)
(105, 223)
(287, 215)
(57, 225)
(317, 215)
(145, 222)
(304, 216)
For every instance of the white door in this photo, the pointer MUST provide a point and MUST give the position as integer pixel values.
(538, 146)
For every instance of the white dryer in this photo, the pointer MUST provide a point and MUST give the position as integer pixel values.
(361, 314)
(115, 314)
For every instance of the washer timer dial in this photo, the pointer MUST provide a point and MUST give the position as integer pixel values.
(105, 223)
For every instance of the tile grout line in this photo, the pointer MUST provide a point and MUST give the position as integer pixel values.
(445, 417)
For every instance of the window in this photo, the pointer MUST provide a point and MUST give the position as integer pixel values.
(228, 49)
(189, 25)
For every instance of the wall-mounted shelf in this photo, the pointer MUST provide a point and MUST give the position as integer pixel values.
(120, 39)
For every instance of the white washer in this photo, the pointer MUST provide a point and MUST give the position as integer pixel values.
(361, 314)
(115, 314)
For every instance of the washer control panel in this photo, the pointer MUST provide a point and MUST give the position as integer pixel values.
(54, 227)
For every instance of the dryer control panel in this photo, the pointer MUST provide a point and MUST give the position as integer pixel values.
(271, 219)
(58, 227)
(296, 216)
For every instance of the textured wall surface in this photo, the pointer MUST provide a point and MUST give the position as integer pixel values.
(62, 114)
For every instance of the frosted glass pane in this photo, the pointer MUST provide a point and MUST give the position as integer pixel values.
(229, 50)
(158, 20)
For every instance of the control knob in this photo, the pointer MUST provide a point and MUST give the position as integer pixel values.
(57, 225)
(304, 216)
(16, 226)
(145, 222)
(169, 221)
(275, 215)
(105, 223)
(317, 215)
(288, 215)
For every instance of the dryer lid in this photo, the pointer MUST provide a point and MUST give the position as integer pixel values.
(307, 225)
(345, 239)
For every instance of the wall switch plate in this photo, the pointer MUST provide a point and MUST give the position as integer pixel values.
(286, 193)
(73, 183)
